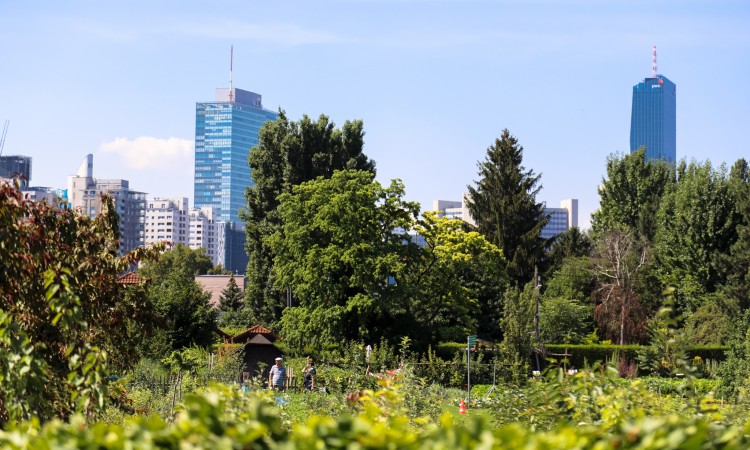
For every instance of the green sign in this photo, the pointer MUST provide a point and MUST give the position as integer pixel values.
(472, 341)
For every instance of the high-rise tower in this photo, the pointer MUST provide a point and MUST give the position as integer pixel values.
(653, 121)
(225, 131)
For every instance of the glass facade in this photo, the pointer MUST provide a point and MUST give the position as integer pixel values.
(225, 131)
(653, 122)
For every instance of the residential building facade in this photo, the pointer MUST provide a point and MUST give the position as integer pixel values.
(84, 194)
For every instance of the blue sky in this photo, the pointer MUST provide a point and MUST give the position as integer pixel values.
(435, 82)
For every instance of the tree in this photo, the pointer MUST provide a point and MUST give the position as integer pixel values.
(518, 322)
(185, 316)
(504, 207)
(618, 312)
(232, 298)
(568, 244)
(458, 282)
(566, 313)
(736, 264)
(356, 273)
(65, 320)
(289, 153)
(631, 193)
(180, 258)
(697, 223)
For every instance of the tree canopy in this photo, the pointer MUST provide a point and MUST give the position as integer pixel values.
(346, 252)
(289, 153)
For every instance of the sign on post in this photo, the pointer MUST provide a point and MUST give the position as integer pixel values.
(470, 342)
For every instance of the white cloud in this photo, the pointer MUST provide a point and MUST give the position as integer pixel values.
(146, 152)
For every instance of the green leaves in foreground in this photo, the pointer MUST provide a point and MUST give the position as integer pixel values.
(224, 418)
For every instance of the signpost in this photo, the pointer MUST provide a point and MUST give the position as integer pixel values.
(470, 342)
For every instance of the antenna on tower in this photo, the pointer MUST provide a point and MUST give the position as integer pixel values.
(653, 66)
(231, 63)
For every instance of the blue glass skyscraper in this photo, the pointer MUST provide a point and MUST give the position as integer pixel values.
(225, 131)
(653, 121)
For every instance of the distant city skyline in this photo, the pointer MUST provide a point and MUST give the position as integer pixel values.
(434, 81)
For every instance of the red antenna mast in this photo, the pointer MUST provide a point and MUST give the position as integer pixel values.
(231, 63)
(653, 66)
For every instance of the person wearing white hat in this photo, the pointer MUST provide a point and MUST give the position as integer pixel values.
(277, 375)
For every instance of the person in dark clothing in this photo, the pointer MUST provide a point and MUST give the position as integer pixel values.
(310, 373)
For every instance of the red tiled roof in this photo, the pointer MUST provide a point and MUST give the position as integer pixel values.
(251, 333)
(129, 278)
(258, 329)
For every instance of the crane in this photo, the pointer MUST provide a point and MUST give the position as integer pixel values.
(2, 136)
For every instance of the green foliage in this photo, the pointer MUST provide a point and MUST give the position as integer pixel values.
(182, 259)
(289, 153)
(582, 410)
(631, 193)
(64, 319)
(232, 297)
(667, 353)
(185, 316)
(712, 323)
(518, 323)
(357, 275)
(337, 249)
(564, 320)
(736, 263)
(504, 207)
(697, 222)
(571, 243)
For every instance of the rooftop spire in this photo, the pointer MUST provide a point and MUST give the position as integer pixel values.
(653, 65)
(231, 63)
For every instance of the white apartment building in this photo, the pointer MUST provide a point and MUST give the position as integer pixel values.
(170, 220)
(167, 220)
(561, 219)
(205, 231)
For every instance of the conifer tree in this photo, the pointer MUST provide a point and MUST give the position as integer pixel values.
(232, 298)
(503, 205)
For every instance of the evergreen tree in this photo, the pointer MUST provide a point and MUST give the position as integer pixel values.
(505, 209)
(232, 298)
(289, 153)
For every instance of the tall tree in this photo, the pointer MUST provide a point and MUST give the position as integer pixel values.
(736, 264)
(631, 193)
(289, 153)
(618, 261)
(697, 223)
(505, 209)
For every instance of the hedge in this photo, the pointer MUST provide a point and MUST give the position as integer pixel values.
(581, 355)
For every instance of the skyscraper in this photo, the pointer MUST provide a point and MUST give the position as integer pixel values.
(653, 121)
(225, 130)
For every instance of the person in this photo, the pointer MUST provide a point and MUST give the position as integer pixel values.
(277, 375)
(310, 372)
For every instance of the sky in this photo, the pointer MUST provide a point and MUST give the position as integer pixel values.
(435, 82)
